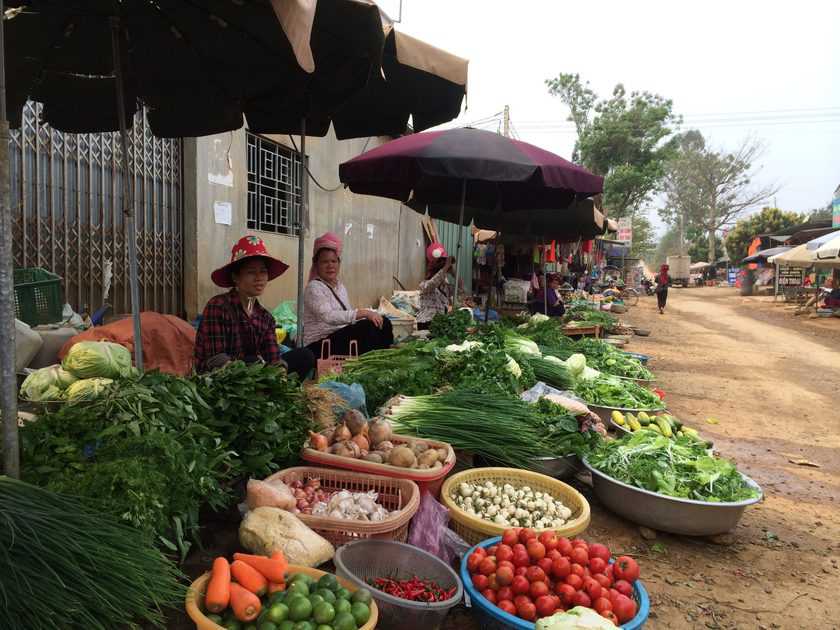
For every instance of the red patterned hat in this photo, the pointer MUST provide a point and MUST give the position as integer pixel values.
(248, 247)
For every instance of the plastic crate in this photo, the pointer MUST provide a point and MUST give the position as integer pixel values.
(37, 296)
(329, 363)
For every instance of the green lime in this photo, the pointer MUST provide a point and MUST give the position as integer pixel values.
(278, 598)
(360, 612)
(344, 621)
(315, 599)
(267, 625)
(323, 612)
(300, 609)
(328, 581)
(299, 587)
(277, 613)
(232, 624)
(302, 577)
(324, 626)
(250, 626)
(328, 596)
(362, 596)
(286, 625)
(342, 593)
(342, 605)
(304, 625)
(217, 619)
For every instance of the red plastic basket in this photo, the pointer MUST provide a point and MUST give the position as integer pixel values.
(333, 363)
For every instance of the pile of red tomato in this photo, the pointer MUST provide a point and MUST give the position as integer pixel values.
(534, 577)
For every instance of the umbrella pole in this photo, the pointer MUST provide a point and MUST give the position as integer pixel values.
(8, 382)
(128, 197)
(545, 279)
(302, 221)
(458, 248)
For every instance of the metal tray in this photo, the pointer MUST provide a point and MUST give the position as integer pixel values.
(669, 514)
(557, 467)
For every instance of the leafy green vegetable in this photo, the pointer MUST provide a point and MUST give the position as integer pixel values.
(678, 467)
(606, 391)
(451, 327)
(609, 360)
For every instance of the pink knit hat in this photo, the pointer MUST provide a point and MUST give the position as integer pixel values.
(435, 251)
(327, 240)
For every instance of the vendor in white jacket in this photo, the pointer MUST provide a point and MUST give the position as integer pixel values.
(327, 312)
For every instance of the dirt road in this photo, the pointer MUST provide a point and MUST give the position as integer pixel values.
(770, 384)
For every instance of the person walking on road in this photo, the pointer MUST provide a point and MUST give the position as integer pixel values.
(663, 281)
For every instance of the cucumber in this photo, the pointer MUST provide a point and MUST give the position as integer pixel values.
(664, 426)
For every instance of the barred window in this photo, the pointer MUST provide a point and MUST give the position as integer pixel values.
(274, 186)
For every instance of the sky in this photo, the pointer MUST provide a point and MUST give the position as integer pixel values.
(732, 69)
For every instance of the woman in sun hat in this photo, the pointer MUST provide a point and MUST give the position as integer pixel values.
(435, 290)
(327, 312)
(234, 325)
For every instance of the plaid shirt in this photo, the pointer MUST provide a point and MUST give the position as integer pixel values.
(226, 329)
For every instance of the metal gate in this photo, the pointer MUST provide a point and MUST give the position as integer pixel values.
(67, 208)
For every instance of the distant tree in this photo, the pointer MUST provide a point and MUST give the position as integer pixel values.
(819, 214)
(709, 189)
(626, 139)
(668, 245)
(767, 221)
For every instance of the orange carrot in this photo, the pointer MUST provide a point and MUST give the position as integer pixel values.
(276, 587)
(246, 606)
(218, 589)
(248, 577)
(273, 569)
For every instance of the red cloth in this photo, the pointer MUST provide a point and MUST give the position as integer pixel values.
(248, 247)
(226, 329)
(663, 274)
(328, 240)
(168, 341)
(586, 246)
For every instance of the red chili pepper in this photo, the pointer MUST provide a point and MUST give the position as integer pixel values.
(413, 589)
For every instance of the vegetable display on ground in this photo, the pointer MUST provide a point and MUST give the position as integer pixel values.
(511, 506)
(606, 391)
(414, 589)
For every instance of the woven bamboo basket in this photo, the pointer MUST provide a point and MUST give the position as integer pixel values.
(474, 529)
(399, 496)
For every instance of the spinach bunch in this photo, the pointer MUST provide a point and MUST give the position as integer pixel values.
(451, 327)
(606, 391)
(561, 430)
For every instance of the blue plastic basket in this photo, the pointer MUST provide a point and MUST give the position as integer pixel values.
(494, 618)
(641, 357)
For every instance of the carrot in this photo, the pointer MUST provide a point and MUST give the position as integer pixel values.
(276, 587)
(273, 569)
(246, 606)
(218, 589)
(248, 577)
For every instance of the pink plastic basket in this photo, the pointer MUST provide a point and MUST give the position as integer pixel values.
(333, 363)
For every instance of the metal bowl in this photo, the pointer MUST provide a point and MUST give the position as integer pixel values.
(605, 413)
(669, 514)
(557, 467)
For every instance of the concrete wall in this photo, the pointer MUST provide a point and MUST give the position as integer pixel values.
(382, 238)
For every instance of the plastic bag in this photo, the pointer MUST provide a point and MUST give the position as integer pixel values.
(285, 315)
(428, 526)
(353, 395)
(453, 547)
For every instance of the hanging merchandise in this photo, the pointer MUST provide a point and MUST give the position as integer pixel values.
(550, 254)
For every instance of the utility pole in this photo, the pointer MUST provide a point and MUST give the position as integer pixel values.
(506, 131)
(682, 233)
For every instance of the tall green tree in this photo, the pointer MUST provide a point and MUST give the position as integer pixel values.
(626, 139)
(767, 221)
(708, 189)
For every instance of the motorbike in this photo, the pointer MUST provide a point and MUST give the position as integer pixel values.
(648, 287)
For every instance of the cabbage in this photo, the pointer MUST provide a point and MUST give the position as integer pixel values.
(89, 359)
(46, 384)
(463, 347)
(577, 618)
(536, 318)
(521, 345)
(556, 360)
(513, 367)
(87, 389)
(589, 374)
(576, 364)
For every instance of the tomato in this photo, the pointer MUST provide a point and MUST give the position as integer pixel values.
(507, 606)
(561, 567)
(520, 571)
(510, 537)
(575, 581)
(580, 542)
(596, 564)
(609, 571)
(535, 574)
(520, 585)
(519, 547)
(481, 551)
(576, 569)
(601, 604)
(566, 593)
(581, 599)
(564, 546)
(521, 558)
(603, 580)
(491, 551)
(545, 606)
(614, 596)
(493, 582)
(473, 561)
(536, 550)
(626, 569)
(553, 555)
(549, 540)
(505, 563)
(597, 550)
(504, 593)
(528, 611)
(520, 600)
(504, 552)
(624, 608)
(504, 576)
(592, 588)
(526, 534)
(489, 595)
(545, 564)
(610, 615)
(538, 589)
(487, 566)
(624, 587)
(580, 555)
(480, 582)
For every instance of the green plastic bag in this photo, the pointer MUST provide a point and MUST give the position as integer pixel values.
(286, 317)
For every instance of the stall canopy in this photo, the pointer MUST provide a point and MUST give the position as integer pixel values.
(764, 254)
(822, 240)
(829, 251)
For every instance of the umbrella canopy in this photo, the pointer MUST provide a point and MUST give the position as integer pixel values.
(765, 254)
(829, 251)
(501, 174)
(799, 256)
(580, 221)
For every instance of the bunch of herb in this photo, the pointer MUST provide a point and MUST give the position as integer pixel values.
(451, 327)
(608, 359)
(260, 414)
(561, 430)
(67, 565)
(606, 391)
(549, 333)
(679, 467)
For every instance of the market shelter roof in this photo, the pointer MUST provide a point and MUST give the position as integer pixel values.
(764, 254)
(830, 251)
